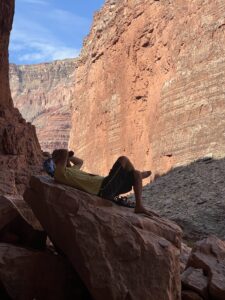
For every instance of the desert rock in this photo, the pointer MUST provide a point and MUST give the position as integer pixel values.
(43, 95)
(192, 196)
(149, 87)
(184, 256)
(20, 152)
(109, 246)
(27, 274)
(209, 255)
(190, 295)
(6, 19)
(194, 279)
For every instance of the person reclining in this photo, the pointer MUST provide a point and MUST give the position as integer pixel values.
(120, 180)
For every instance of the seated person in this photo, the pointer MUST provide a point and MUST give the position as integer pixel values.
(121, 178)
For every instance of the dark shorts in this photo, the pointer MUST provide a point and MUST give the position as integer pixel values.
(119, 181)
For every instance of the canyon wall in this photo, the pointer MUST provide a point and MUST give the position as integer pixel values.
(149, 84)
(20, 152)
(43, 94)
(6, 9)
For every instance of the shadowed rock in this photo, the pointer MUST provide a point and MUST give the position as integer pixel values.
(18, 224)
(193, 197)
(190, 295)
(209, 255)
(194, 279)
(118, 254)
(27, 274)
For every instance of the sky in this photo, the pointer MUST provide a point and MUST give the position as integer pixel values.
(47, 30)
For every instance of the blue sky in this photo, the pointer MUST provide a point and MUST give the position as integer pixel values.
(46, 30)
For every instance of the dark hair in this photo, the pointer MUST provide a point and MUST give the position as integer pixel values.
(58, 154)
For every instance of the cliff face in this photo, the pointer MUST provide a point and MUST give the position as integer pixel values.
(42, 93)
(149, 84)
(6, 18)
(20, 152)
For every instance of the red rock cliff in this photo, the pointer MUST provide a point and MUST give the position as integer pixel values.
(43, 94)
(150, 84)
(20, 151)
(6, 18)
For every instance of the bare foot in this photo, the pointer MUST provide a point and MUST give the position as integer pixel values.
(142, 210)
(146, 174)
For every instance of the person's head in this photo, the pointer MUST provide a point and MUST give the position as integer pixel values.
(60, 156)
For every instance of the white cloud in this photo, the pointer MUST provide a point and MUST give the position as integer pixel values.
(33, 42)
(35, 2)
(34, 48)
(47, 52)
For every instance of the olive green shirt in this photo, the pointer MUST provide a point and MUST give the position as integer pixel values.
(78, 179)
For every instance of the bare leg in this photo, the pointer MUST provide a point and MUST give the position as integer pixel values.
(138, 193)
(127, 165)
(138, 176)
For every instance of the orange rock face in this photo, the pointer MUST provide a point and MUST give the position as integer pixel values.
(149, 84)
(43, 95)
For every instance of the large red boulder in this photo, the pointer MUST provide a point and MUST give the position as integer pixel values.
(195, 280)
(28, 274)
(209, 255)
(118, 254)
(18, 223)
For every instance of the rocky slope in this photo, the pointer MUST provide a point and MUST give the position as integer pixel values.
(149, 84)
(193, 197)
(42, 93)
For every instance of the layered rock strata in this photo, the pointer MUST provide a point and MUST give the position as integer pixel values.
(43, 94)
(149, 84)
(118, 254)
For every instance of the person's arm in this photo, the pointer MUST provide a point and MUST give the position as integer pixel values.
(60, 157)
(76, 161)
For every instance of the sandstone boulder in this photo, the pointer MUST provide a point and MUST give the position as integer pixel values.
(118, 254)
(190, 295)
(18, 223)
(7, 212)
(18, 205)
(209, 255)
(194, 279)
(26, 275)
(184, 255)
